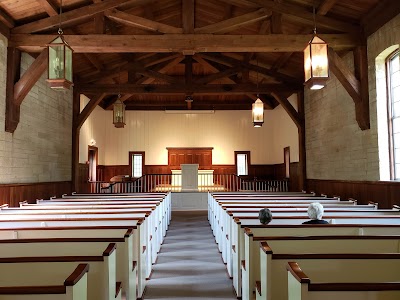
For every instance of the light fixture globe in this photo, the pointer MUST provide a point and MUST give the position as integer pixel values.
(59, 69)
(316, 66)
(258, 113)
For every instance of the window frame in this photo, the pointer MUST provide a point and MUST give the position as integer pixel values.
(392, 161)
(131, 154)
(248, 162)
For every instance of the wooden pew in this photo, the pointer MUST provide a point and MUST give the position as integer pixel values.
(270, 275)
(126, 271)
(101, 280)
(370, 279)
(74, 287)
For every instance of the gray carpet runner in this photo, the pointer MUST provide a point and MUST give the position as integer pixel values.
(189, 265)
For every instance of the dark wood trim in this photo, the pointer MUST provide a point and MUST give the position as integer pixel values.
(258, 287)
(302, 164)
(355, 286)
(189, 148)
(265, 247)
(326, 237)
(80, 270)
(297, 272)
(96, 155)
(76, 180)
(62, 240)
(327, 226)
(27, 259)
(69, 228)
(33, 290)
(118, 288)
(14, 193)
(243, 263)
(128, 233)
(336, 256)
(286, 161)
(134, 264)
(248, 231)
(13, 73)
(385, 193)
(75, 219)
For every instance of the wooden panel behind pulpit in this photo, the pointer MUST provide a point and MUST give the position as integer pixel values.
(201, 156)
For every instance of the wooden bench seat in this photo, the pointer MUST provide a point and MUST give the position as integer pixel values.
(344, 279)
(73, 287)
(101, 276)
(274, 252)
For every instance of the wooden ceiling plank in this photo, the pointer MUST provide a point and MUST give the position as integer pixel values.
(110, 102)
(281, 61)
(6, 19)
(139, 22)
(325, 6)
(267, 102)
(268, 72)
(88, 110)
(153, 74)
(94, 60)
(30, 77)
(234, 23)
(163, 69)
(184, 42)
(71, 16)
(384, 11)
(188, 70)
(219, 75)
(241, 3)
(49, 7)
(299, 12)
(188, 13)
(293, 114)
(210, 67)
(99, 23)
(183, 89)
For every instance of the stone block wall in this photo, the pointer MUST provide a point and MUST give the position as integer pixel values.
(336, 147)
(40, 149)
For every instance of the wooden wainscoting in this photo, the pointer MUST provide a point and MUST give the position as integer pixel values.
(294, 184)
(12, 194)
(385, 193)
(83, 177)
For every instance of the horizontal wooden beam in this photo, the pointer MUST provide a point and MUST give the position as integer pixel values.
(383, 12)
(139, 22)
(71, 16)
(177, 89)
(6, 19)
(236, 22)
(325, 6)
(49, 7)
(190, 43)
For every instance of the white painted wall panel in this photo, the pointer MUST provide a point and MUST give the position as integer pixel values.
(154, 131)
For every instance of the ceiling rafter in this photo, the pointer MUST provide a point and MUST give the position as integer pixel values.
(163, 69)
(325, 6)
(183, 89)
(225, 73)
(71, 16)
(241, 3)
(49, 7)
(139, 22)
(235, 22)
(191, 43)
(188, 13)
(303, 15)
(6, 19)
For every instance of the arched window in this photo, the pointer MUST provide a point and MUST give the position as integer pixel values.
(393, 95)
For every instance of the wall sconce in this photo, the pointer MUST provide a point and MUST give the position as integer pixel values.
(258, 113)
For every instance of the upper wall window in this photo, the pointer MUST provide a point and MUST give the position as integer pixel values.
(242, 161)
(393, 84)
(136, 163)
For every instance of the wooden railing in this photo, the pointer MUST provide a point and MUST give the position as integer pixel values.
(173, 183)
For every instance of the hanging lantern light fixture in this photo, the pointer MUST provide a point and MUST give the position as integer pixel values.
(316, 66)
(119, 113)
(258, 112)
(59, 61)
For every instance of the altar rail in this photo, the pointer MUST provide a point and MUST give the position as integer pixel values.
(206, 182)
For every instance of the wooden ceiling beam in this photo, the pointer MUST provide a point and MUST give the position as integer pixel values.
(6, 19)
(211, 67)
(268, 72)
(293, 114)
(71, 16)
(177, 89)
(49, 7)
(305, 16)
(87, 110)
(163, 69)
(235, 23)
(268, 104)
(241, 3)
(352, 85)
(325, 6)
(139, 22)
(108, 104)
(219, 75)
(12, 114)
(194, 43)
(383, 12)
(99, 23)
(188, 16)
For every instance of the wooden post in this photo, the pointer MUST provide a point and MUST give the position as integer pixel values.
(75, 142)
(302, 143)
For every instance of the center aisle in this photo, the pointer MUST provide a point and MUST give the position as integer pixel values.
(189, 265)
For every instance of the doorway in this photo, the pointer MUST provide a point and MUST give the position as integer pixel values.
(93, 162)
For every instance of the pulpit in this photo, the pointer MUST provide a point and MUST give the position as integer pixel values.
(190, 178)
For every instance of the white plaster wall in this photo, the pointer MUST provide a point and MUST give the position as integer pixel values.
(40, 148)
(336, 147)
(154, 131)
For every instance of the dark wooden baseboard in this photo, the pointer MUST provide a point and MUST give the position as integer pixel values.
(385, 193)
(12, 194)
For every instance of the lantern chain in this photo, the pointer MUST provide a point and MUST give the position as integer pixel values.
(60, 31)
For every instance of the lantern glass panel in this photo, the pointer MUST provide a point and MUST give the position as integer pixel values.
(258, 111)
(56, 60)
(307, 63)
(68, 63)
(319, 60)
(119, 114)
